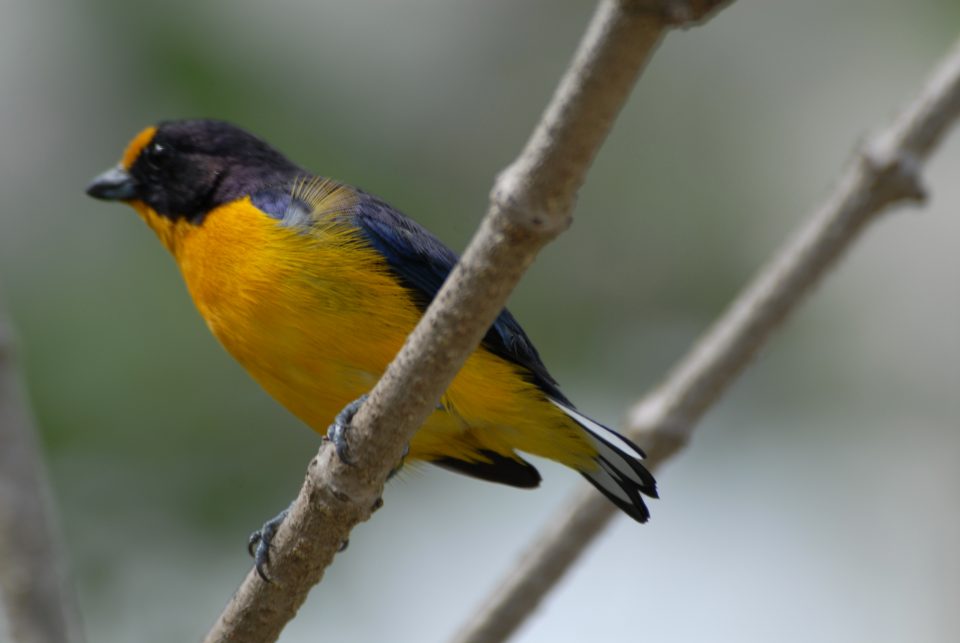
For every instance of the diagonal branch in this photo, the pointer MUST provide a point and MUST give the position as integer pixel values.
(34, 587)
(886, 172)
(530, 205)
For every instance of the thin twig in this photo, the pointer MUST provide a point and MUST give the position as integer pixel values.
(34, 588)
(885, 172)
(530, 205)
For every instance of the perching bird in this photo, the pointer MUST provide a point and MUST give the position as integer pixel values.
(312, 285)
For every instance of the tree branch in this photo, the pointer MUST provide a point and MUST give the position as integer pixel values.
(530, 205)
(36, 594)
(885, 172)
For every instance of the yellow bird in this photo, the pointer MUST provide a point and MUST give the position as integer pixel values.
(312, 285)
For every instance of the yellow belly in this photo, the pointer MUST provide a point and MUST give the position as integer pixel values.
(315, 319)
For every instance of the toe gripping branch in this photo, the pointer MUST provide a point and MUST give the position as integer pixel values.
(258, 545)
(337, 433)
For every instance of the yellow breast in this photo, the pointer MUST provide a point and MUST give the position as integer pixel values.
(301, 312)
(315, 318)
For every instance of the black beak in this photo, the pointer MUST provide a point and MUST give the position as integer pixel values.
(115, 184)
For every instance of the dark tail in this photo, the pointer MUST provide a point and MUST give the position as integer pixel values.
(619, 475)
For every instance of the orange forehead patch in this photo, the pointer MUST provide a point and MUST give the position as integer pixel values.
(136, 146)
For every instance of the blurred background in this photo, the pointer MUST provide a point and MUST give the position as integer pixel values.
(818, 500)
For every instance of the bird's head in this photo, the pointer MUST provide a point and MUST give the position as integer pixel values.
(180, 170)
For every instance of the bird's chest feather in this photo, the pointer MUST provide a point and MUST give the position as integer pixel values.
(314, 317)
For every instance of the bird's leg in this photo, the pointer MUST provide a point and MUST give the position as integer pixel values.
(337, 433)
(258, 545)
(259, 542)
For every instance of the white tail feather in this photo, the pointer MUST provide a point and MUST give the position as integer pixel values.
(614, 449)
(618, 473)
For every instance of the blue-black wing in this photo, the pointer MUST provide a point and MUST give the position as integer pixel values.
(421, 262)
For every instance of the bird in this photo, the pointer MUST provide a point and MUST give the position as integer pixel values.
(312, 285)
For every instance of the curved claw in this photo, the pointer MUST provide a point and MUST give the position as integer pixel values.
(258, 545)
(337, 433)
(255, 538)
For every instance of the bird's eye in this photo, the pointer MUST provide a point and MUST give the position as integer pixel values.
(156, 154)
